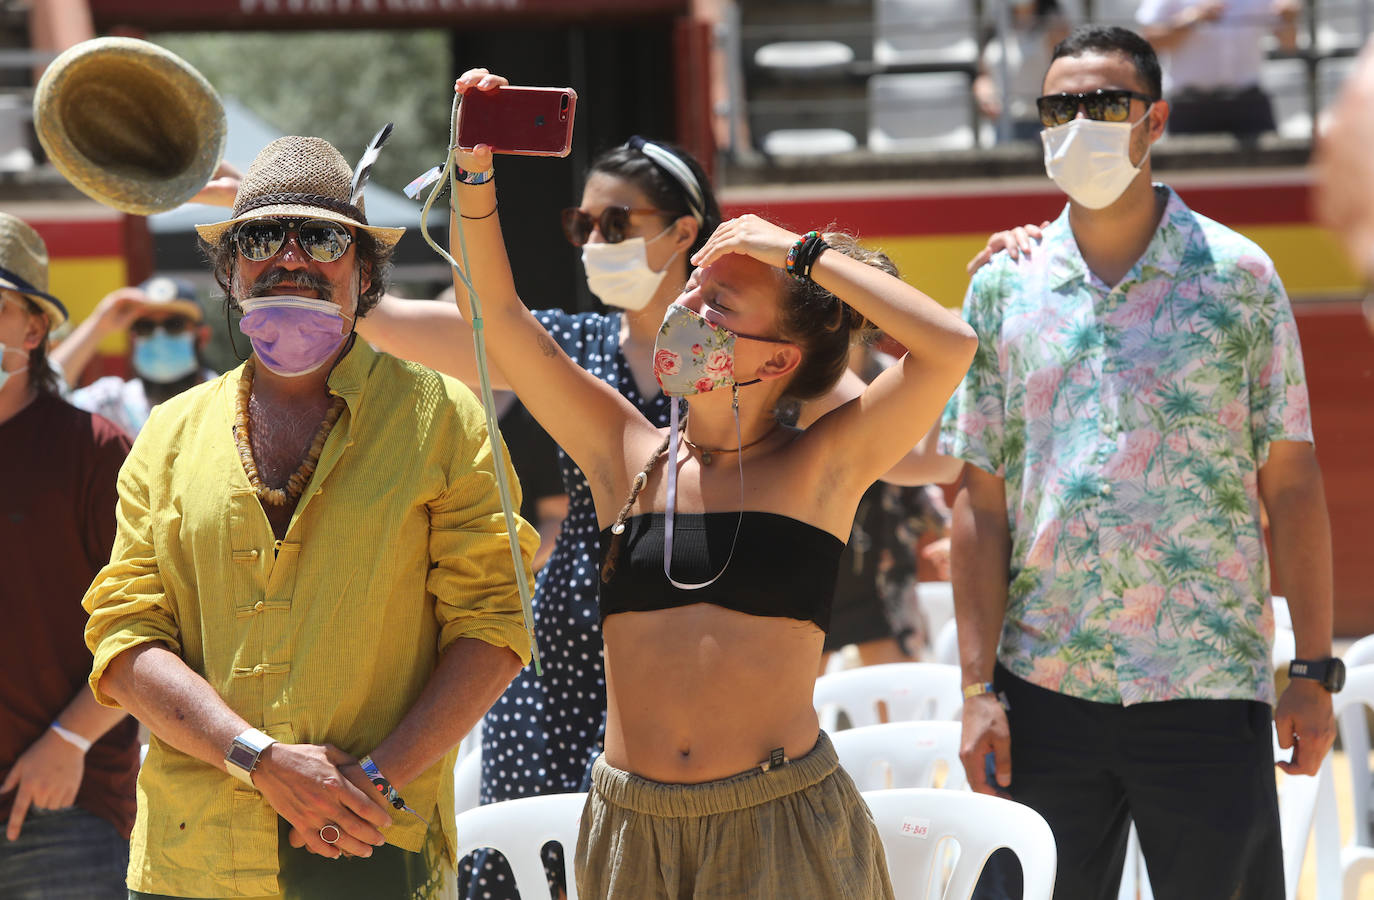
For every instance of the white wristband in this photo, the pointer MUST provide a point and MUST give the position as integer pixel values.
(71, 737)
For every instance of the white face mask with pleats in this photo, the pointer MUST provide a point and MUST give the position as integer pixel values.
(1091, 160)
(619, 274)
(5, 376)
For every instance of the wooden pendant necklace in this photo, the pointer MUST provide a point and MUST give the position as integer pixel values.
(708, 453)
(295, 485)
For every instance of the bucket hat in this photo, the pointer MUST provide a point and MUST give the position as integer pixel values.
(24, 267)
(131, 124)
(302, 177)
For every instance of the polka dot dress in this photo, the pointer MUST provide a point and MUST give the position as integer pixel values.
(542, 735)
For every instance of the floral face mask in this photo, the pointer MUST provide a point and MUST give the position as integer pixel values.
(693, 356)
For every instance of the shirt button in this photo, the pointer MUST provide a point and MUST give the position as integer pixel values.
(257, 670)
(257, 607)
(256, 552)
(1106, 490)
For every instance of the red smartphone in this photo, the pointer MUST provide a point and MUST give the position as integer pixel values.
(522, 121)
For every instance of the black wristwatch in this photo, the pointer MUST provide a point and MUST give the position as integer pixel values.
(1330, 672)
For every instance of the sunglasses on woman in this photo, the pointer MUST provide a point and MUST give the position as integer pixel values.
(613, 222)
(1102, 106)
(322, 240)
(172, 325)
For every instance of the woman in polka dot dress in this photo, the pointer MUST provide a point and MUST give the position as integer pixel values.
(646, 208)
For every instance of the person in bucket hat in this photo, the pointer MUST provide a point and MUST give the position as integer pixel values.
(167, 335)
(311, 597)
(67, 764)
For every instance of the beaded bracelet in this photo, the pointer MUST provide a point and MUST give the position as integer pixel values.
(385, 787)
(466, 177)
(803, 254)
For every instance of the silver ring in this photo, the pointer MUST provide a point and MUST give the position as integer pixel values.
(330, 839)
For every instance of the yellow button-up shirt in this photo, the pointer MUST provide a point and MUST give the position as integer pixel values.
(397, 548)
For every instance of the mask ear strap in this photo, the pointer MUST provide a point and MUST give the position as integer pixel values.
(673, 444)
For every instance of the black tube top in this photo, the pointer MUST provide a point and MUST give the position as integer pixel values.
(782, 566)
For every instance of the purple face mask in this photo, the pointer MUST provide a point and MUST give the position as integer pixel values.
(293, 335)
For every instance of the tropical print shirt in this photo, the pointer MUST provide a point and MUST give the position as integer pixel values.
(1129, 424)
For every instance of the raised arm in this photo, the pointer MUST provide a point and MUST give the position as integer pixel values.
(588, 418)
(868, 435)
(428, 332)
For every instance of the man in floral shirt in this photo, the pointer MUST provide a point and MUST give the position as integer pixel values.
(1138, 393)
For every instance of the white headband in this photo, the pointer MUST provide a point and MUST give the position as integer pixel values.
(675, 167)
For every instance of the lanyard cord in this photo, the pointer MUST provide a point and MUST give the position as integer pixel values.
(673, 445)
(484, 378)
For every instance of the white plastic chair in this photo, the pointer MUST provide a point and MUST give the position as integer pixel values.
(937, 32)
(1307, 803)
(919, 113)
(1285, 644)
(1352, 706)
(901, 755)
(1343, 24)
(519, 829)
(917, 825)
(808, 142)
(1354, 730)
(936, 601)
(910, 691)
(803, 58)
(467, 782)
(947, 644)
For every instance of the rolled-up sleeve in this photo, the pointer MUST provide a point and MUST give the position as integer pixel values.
(126, 602)
(472, 573)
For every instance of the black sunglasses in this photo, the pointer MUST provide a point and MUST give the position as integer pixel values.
(1103, 106)
(172, 325)
(613, 222)
(322, 240)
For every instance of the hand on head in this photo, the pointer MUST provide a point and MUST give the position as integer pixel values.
(750, 236)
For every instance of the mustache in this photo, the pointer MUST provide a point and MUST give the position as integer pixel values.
(304, 279)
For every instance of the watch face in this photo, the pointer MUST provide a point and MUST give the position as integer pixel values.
(242, 757)
(1335, 675)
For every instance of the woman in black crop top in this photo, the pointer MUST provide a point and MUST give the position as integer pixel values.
(710, 665)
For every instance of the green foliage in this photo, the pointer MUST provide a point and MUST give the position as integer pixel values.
(338, 85)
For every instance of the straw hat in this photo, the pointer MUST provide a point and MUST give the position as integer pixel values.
(24, 267)
(300, 177)
(130, 124)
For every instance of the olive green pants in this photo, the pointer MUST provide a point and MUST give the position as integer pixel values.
(797, 831)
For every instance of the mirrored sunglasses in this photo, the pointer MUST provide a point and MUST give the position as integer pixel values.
(262, 239)
(172, 325)
(613, 223)
(1101, 106)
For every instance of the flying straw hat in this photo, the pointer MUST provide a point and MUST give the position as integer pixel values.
(129, 123)
(303, 177)
(24, 267)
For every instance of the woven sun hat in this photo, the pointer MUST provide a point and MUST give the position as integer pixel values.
(132, 125)
(300, 177)
(24, 267)
(174, 295)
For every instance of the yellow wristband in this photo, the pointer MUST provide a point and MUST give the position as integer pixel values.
(976, 690)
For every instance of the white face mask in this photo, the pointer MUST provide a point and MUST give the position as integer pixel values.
(619, 274)
(1091, 160)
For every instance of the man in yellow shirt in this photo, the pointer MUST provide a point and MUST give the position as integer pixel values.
(311, 597)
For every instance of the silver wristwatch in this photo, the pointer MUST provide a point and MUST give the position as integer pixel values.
(243, 753)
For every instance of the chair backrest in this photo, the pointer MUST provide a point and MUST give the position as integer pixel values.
(911, 691)
(519, 829)
(1308, 802)
(1285, 81)
(917, 825)
(1352, 707)
(919, 113)
(467, 782)
(1285, 648)
(937, 32)
(947, 644)
(901, 755)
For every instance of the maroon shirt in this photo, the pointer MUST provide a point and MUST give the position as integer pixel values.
(58, 467)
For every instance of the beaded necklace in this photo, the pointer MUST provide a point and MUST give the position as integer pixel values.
(295, 485)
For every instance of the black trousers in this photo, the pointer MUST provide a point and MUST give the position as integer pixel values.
(1196, 777)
